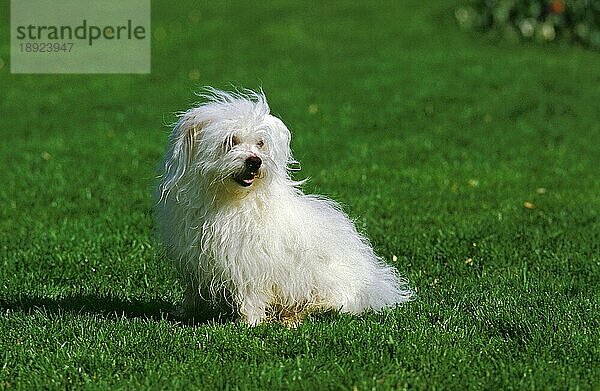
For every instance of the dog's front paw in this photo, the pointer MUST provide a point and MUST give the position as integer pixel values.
(254, 318)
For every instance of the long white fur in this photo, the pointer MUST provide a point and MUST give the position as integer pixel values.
(267, 244)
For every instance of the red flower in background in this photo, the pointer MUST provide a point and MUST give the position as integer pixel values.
(557, 6)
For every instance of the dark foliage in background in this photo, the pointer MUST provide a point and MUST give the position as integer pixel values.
(541, 20)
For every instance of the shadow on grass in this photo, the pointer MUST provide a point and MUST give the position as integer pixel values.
(113, 308)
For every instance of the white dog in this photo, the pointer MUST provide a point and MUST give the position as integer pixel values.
(238, 227)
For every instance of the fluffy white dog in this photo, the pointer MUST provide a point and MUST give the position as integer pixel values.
(239, 228)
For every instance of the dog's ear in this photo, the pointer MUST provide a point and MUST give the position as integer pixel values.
(282, 138)
(181, 150)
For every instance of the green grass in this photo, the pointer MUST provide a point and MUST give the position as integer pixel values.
(432, 139)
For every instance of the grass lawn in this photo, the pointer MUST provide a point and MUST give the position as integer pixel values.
(472, 165)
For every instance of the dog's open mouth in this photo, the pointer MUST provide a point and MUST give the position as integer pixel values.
(245, 178)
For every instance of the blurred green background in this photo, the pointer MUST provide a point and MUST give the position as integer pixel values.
(471, 163)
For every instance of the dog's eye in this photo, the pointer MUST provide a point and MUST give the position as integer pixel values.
(230, 142)
(260, 143)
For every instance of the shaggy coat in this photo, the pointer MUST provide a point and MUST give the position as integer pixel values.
(237, 226)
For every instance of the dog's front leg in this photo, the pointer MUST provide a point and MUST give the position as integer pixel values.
(252, 307)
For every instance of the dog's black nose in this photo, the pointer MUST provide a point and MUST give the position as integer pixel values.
(253, 163)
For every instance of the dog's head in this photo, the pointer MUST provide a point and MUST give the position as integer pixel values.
(231, 142)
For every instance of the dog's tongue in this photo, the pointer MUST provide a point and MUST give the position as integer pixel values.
(248, 177)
